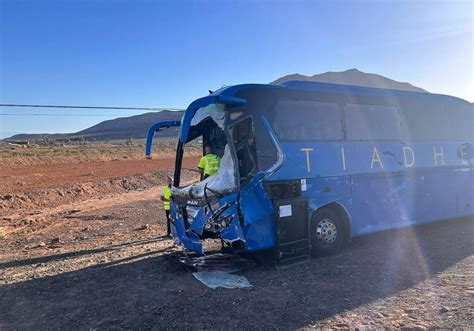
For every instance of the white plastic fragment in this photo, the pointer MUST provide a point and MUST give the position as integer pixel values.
(218, 278)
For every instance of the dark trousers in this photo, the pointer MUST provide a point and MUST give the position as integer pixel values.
(168, 220)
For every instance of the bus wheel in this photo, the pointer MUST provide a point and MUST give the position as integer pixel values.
(327, 233)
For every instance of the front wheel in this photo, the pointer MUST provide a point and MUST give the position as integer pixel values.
(327, 233)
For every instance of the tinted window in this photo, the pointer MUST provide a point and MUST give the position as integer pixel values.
(307, 120)
(372, 122)
(462, 122)
(428, 121)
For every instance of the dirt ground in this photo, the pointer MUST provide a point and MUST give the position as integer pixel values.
(30, 178)
(96, 256)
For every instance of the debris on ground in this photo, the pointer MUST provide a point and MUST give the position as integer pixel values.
(219, 261)
(217, 278)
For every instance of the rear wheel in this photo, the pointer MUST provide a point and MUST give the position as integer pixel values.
(327, 232)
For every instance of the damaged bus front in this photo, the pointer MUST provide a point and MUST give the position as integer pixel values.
(231, 204)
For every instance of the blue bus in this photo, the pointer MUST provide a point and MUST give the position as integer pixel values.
(306, 166)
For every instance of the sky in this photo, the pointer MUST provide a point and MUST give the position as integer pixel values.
(139, 53)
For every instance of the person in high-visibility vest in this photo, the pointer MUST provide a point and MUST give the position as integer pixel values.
(209, 163)
(165, 197)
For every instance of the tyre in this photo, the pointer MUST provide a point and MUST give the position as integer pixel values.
(327, 232)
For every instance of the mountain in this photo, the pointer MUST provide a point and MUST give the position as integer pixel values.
(353, 77)
(116, 129)
(135, 126)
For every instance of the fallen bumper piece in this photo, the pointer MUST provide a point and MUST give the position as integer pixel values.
(218, 278)
(219, 262)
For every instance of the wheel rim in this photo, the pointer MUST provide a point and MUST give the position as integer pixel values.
(326, 231)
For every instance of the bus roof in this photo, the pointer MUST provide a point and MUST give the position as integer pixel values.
(337, 88)
(228, 95)
(362, 90)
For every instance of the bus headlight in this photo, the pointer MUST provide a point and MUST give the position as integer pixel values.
(216, 225)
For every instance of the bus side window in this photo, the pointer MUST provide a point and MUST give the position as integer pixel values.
(244, 141)
(462, 122)
(372, 122)
(428, 121)
(307, 120)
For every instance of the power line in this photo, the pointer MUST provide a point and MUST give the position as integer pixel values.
(59, 115)
(80, 107)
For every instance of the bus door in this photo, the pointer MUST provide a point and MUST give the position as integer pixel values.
(272, 218)
(245, 149)
(256, 210)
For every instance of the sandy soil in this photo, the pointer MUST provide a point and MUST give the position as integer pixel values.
(99, 259)
(25, 178)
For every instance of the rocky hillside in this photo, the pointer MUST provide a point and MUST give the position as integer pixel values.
(353, 77)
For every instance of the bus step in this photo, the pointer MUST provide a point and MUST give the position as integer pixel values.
(292, 238)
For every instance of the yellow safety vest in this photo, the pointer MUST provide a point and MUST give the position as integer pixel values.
(166, 195)
(209, 163)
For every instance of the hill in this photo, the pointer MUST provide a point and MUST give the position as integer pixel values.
(135, 126)
(116, 129)
(353, 77)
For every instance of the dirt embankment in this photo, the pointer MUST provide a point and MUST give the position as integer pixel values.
(31, 155)
(17, 179)
(39, 186)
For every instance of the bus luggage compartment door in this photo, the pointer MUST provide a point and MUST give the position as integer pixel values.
(292, 237)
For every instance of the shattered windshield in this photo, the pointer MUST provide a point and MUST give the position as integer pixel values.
(216, 163)
(216, 111)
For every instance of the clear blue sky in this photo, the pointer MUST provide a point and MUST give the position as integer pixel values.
(167, 53)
